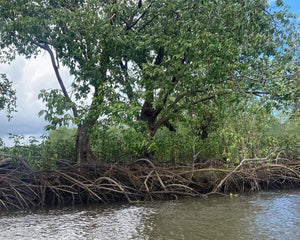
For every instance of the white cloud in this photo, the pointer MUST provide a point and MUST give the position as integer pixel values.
(29, 77)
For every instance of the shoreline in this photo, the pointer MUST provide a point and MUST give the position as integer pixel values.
(22, 188)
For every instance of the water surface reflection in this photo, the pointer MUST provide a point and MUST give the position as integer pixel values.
(266, 215)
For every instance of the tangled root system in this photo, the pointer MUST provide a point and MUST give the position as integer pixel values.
(21, 187)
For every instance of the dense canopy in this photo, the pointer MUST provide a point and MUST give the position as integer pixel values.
(148, 63)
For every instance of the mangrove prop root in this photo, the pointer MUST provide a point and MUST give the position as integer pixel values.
(22, 187)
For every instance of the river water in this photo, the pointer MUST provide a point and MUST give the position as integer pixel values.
(264, 215)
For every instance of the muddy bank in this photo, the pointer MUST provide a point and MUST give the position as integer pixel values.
(21, 187)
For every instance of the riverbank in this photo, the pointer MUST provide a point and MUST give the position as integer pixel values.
(22, 187)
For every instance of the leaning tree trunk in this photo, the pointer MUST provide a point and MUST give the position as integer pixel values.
(84, 153)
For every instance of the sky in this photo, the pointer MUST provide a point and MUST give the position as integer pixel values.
(29, 76)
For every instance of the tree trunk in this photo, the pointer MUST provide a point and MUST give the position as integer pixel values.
(84, 153)
(150, 115)
(203, 129)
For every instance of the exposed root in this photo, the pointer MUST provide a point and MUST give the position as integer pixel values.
(264, 175)
(21, 187)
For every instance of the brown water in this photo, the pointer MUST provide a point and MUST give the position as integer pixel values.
(266, 215)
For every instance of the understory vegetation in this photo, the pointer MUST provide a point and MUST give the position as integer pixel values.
(249, 132)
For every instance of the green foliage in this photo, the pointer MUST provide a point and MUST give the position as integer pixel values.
(191, 63)
(285, 132)
(243, 130)
(117, 143)
(245, 133)
(29, 149)
(182, 52)
(56, 104)
(251, 132)
(60, 144)
(174, 147)
(7, 96)
(2, 145)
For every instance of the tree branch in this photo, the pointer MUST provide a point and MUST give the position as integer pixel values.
(130, 26)
(140, 4)
(196, 102)
(160, 56)
(258, 93)
(45, 46)
(160, 122)
(146, 24)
